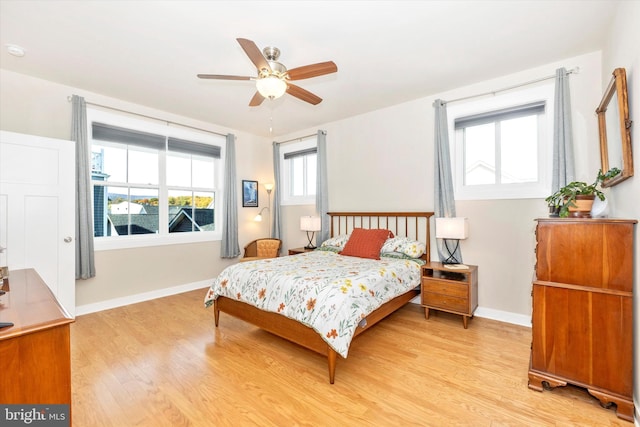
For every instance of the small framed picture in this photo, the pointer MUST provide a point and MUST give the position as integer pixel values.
(249, 194)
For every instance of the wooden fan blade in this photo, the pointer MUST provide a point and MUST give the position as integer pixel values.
(303, 94)
(312, 70)
(222, 77)
(254, 54)
(256, 100)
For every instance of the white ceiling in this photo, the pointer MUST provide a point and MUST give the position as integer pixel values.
(149, 52)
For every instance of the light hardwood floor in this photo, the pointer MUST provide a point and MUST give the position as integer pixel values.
(163, 363)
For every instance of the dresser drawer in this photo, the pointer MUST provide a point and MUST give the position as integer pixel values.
(444, 287)
(445, 302)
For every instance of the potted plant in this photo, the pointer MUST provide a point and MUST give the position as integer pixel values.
(576, 198)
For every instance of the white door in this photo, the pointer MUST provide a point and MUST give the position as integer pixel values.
(37, 215)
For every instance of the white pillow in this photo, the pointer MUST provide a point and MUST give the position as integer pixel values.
(404, 245)
(336, 242)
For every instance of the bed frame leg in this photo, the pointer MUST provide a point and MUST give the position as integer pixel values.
(331, 357)
(216, 312)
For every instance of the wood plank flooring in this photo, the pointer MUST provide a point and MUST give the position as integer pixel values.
(164, 363)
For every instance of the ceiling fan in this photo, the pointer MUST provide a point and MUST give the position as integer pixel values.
(273, 78)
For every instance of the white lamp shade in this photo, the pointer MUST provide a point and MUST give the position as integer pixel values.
(258, 218)
(310, 223)
(268, 187)
(452, 228)
(271, 87)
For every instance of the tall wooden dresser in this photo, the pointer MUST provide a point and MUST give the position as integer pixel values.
(582, 318)
(35, 353)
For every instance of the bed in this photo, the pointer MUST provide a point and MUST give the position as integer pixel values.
(322, 299)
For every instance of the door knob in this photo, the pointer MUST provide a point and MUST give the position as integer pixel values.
(68, 239)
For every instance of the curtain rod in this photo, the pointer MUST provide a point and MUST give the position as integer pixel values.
(168, 122)
(300, 138)
(575, 70)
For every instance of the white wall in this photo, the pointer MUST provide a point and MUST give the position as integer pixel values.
(623, 50)
(39, 107)
(383, 160)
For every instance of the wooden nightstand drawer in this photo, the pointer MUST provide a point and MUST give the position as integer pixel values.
(445, 302)
(459, 290)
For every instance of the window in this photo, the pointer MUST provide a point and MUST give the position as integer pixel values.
(153, 184)
(190, 183)
(502, 146)
(298, 164)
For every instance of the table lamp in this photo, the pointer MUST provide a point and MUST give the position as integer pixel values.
(452, 229)
(310, 224)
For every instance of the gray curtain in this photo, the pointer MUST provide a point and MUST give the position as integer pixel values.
(229, 246)
(563, 167)
(85, 262)
(445, 206)
(276, 225)
(322, 189)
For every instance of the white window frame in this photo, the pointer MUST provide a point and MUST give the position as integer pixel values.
(286, 199)
(539, 189)
(163, 238)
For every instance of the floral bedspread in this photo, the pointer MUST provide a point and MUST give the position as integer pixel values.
(328, 292)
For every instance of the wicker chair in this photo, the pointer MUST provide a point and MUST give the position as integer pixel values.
(262, 249)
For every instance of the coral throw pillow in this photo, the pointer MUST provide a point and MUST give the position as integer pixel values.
(365, 243)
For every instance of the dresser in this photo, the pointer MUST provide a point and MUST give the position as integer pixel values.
(582, 319)
(35, 353)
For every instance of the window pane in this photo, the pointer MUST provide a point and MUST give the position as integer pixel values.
(479, 154)
(179, 170)
(133, 211)
(112, 160)
(519, 150)
(190, 211)
(143, 166)
(203, 172)
(204, 211)
(101, 203)
(311, 174)
(297, 176)
(186, 170)
(143, 211)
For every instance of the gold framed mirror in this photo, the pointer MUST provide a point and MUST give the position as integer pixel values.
(614, 128)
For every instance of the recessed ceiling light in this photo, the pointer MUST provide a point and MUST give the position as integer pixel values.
(15, 50)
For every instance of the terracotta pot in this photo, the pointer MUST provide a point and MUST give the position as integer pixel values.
(583, 207)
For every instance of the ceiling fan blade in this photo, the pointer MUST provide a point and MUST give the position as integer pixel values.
(222, 77)
(313, 70)
(303, 94)
(256, 100)
(254, 54)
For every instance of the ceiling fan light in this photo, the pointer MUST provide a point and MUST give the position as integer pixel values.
(271, 87)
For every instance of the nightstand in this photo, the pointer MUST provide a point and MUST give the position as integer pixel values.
(296, 251)
(454, 291)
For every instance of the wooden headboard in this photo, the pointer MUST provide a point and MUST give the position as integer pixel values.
(415, 225)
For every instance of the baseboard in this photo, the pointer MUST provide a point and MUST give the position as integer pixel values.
(146, 296)
(501, 316)
(504, 316)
